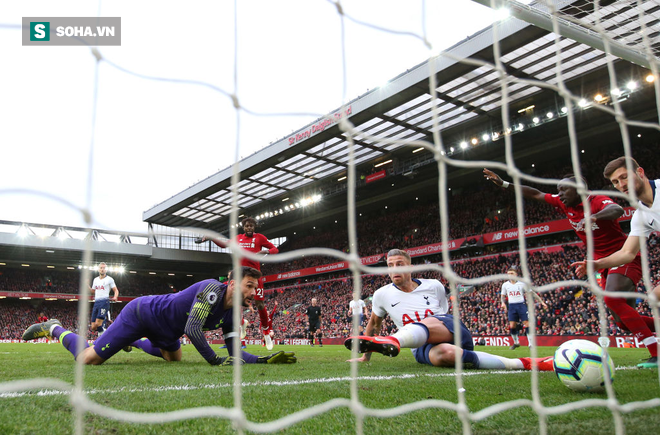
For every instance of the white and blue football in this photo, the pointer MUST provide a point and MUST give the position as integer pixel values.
(583, 365)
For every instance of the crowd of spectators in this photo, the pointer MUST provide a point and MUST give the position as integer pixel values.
(571, 310)
(420, 224)
(16, 315)
(68, 282)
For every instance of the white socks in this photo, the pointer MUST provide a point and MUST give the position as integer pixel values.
(488, 361)
(412, 335)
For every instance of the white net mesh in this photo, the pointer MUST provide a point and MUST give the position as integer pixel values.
(581, 32)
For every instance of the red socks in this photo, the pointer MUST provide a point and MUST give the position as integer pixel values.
(633, 322)
(265, 321)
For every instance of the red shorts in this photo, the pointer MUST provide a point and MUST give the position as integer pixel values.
(259, 294)
(632, 270)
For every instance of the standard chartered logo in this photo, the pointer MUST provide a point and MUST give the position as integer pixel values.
(39, 31)
(86, 31)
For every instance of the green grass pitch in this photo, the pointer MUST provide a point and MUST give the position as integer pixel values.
(138, 382)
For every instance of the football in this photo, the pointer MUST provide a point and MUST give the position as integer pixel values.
(582, 366)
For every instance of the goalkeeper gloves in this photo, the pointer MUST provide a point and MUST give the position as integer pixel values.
(280, 357)
(225, 361)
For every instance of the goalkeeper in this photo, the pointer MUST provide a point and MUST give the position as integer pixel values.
(156, 323)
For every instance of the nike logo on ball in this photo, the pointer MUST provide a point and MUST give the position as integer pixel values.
(394, 305)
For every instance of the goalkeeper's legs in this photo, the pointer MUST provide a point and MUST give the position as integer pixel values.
(147, 347)
(71, 341)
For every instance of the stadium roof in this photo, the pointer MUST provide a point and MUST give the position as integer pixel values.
(469, 98)
(61, 247)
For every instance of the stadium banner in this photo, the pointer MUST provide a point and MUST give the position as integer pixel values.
(542, 229)
(498, 340)
(367, 261)
(375, 176)
(289, 341)
(555, 340)
(30, 295)
(321, 125)
(529, 231)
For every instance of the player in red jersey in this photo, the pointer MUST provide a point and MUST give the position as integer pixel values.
(608, 238)
(256, 243)
(42, 317)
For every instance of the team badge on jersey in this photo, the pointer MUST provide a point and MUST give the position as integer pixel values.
(212, 298)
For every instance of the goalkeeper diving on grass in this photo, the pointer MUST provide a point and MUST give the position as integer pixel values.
(155, 324)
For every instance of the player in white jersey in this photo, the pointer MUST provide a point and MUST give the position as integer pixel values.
(645, 220)
(101, 287)
(419, 308)
(514, 291)
(358, 308)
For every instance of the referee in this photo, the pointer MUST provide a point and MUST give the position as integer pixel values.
(314, 318)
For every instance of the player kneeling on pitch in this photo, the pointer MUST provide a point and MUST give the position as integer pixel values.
(432, 338)
(155, 324)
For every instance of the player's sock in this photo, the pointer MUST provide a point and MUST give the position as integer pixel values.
(68, 339)
(649, 322)
(483, 360)
(412, 335)
(633, 322)
(651, 344)
(514, 337)
(320, 341)
(147, 347)
(56, 331)
(264, 319)
(100, 329)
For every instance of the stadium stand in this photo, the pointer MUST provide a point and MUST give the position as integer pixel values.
(571, 311)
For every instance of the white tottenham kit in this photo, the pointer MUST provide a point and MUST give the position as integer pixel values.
(428, 299)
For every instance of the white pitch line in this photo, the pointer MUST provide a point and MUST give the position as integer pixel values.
(50, 392)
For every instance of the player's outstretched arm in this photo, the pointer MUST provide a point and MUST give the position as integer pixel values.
(223, 243)
(528, 192)
(199, 311)
(610, 213)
